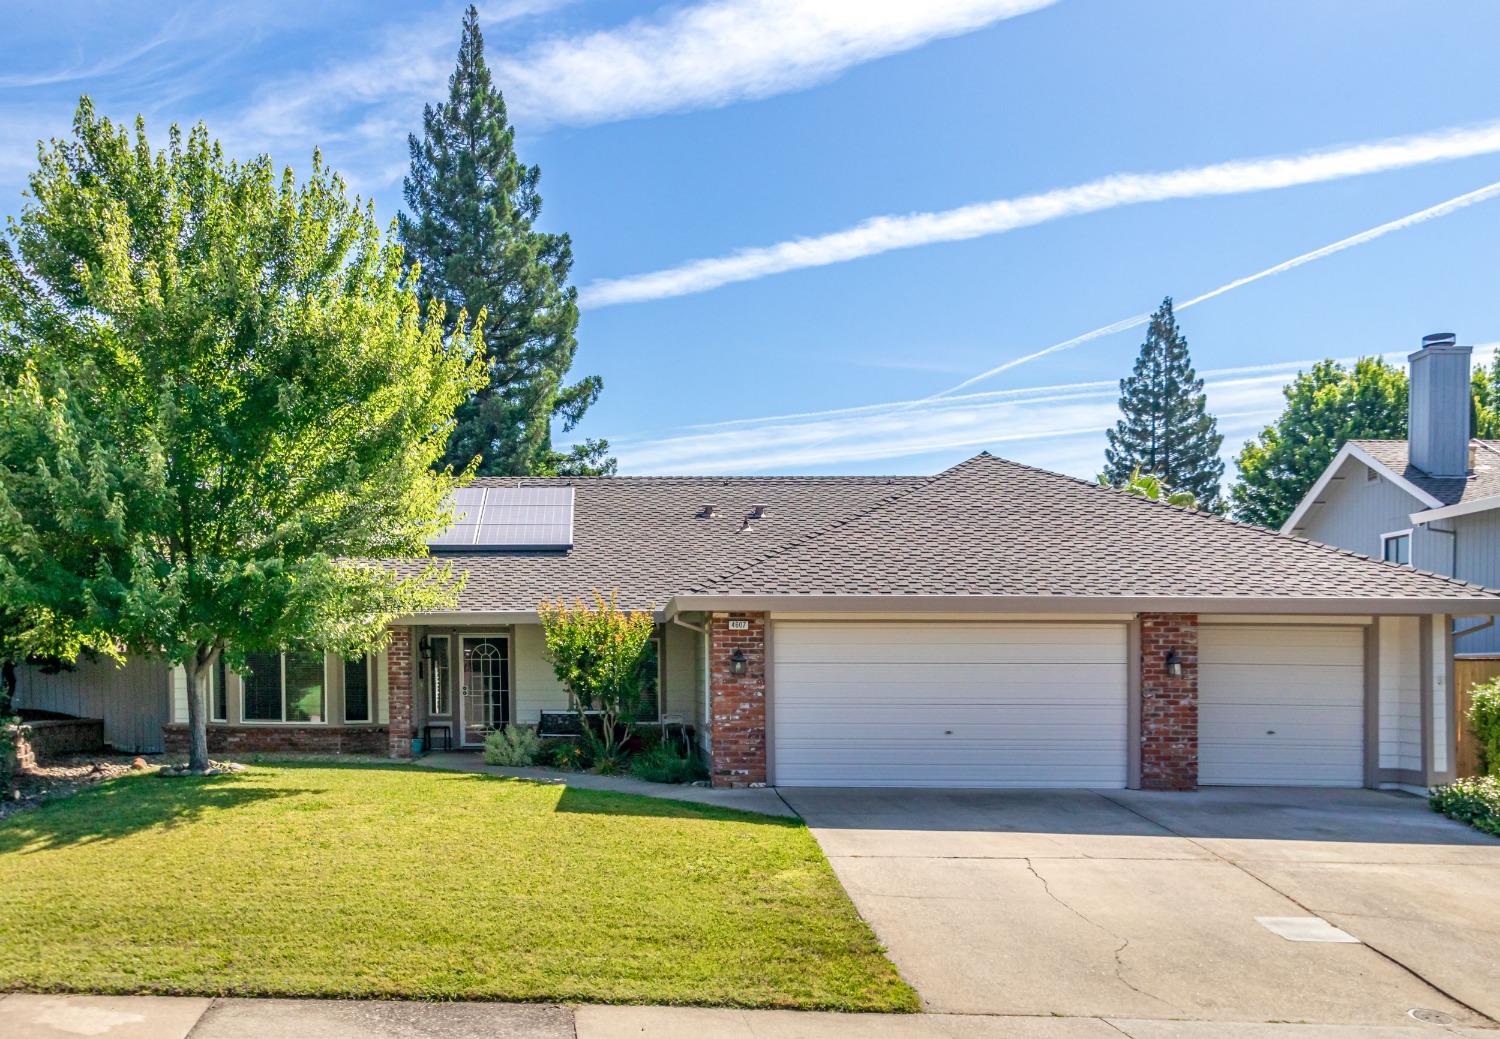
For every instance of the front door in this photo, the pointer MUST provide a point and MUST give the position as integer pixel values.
(484, 697)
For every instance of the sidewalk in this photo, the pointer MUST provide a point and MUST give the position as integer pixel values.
(167, 1017)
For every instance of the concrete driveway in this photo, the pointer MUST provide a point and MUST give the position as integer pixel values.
(1131, 904)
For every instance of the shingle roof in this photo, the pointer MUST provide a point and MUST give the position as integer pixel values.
(643, 537)
(985, 527)
(993, 527)
(1483, 483)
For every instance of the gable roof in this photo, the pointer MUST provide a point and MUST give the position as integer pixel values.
(985, 531)
(1484, 482)
(1435, 497)
(995, 528)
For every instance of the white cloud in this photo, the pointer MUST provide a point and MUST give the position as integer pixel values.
(943, 421)
(885, 233)
(725, 51)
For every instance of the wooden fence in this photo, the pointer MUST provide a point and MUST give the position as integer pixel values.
(1467, 673)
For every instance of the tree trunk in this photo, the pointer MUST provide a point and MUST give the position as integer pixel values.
(200, 667)
(7, 687)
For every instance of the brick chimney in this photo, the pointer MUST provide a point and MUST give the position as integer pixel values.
(1438, 406)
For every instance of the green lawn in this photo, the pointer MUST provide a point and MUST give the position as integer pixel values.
(404, 882)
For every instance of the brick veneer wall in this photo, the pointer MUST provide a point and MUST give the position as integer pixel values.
(399, 693)
(737, 703)
(1169, 706)
(276, 739)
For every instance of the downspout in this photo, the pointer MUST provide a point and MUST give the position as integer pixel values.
(1459, 633)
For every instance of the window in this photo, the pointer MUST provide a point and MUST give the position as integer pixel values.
(440, 692)
(218, 693)
(1396, 547)
(284, 687)
(651, 681)
(357, 689)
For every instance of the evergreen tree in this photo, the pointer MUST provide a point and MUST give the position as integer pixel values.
(1165, 429)
(1325, 407)
(473, 207)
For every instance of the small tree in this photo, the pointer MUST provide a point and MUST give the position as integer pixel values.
(227, 399)
(1153, 487)
(597, 653)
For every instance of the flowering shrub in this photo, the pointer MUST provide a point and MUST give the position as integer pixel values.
(1474, 801)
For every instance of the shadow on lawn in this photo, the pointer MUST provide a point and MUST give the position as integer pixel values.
(125, 806)
(610, 802)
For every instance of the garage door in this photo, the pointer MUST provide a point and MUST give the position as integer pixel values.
(1281, 705)
(949, 705)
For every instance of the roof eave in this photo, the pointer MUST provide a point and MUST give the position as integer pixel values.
(1463, 508)
(1353, 450)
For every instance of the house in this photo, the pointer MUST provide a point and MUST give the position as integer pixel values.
(994, 625)
(1432, 501)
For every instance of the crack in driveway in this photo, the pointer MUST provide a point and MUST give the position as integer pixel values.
(1119, 950)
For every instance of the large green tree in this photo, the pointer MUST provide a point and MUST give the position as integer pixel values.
(225, 404)
(1325, 407)
(1165, 429)
(473, 208)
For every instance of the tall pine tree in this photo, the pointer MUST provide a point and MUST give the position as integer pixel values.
(1165, 429)
(472, 210)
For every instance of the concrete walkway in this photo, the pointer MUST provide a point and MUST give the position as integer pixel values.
(764, 801)
(166, 1017)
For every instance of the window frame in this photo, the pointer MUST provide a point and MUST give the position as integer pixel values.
(1396, 535)
(281, 698)
(369, 718)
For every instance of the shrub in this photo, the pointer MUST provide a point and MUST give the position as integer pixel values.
(1474, 801)
(567, 754)
(514, 745)
(1484, 720)
(598, 654)
(667, 764)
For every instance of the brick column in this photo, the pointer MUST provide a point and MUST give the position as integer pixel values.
(737, 703)
(398, 693)
(1169, 705)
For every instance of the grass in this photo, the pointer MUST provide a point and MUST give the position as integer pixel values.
(383, 881)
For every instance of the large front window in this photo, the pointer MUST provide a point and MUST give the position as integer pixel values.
(357, 689)
(284, 687)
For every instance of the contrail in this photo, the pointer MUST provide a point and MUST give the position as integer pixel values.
(885, 233)
(874, 411)
(1421, 216)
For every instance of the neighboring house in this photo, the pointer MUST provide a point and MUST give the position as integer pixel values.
(1432, 501)
(994, 625)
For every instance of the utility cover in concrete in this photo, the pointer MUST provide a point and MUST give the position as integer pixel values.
(1305, 929)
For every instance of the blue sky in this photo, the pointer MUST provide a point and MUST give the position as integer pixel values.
(724, 168)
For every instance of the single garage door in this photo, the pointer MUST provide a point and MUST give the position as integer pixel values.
(949, 704)
(1280, 705)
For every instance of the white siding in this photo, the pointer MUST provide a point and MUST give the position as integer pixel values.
(1400, 693)
(949, 705)
(537, 688)
(1280, 705)
(131, 699)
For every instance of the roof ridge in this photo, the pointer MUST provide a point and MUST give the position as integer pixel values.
(813, 535)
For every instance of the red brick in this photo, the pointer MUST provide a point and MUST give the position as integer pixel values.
(737, 703)
(1169, 705)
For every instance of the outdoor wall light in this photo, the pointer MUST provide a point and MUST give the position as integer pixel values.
(1174, 663)
(737, 662)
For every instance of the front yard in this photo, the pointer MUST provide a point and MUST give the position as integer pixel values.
(402, 882)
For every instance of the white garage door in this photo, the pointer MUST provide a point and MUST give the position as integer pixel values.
(949, 704)
(1281, 705)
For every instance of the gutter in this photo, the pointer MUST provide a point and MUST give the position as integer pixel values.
(1463, 508)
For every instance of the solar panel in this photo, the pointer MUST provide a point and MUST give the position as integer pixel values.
(515, 518)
